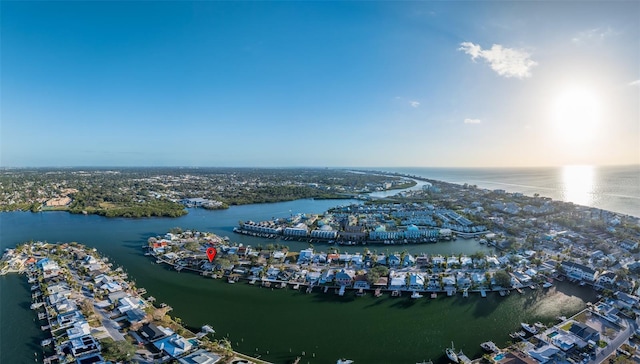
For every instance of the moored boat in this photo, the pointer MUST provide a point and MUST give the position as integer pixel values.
(451, 354)
(489, 346)
(531, 329)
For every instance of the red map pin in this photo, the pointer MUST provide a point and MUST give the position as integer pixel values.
(211, 253)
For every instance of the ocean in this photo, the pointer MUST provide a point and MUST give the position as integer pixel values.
(613, 188)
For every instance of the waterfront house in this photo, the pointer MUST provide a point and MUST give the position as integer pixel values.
(397, 280)
(423, 261)
(448, 280)
(453, 261)
(521, 277)
(79, 328)
(84, 345)
(128, 303)
(49, 268)
(393, 260)
(158, 246)
(313, 277)
(345, 258)
(333, 257)
(136, 315)
(544, 354)
(306, 255)
(200, 357)
(69, 318)
(60, 287)
(579, 271)
(272, 272)
(416, 281)
(361, 282)
(327, 276)
(605, 280)
(151, 332)
(408, 260)
(174, 345)
(115, 296)
(255, 272)
(478, 278)
(466, 261)
(492, 261)
(462, 280)
(357, 260)
(382, 282)
(609, 312)
(345, 277)
(584, 332)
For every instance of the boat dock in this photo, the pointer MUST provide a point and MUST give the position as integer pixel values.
(463, 358)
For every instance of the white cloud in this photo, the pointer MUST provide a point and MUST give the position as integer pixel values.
(472, 121)
(594, 35)
(414, 103)
(634, 83)
(507, 62)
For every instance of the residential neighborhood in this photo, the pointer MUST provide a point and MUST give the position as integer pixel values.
(94, 314)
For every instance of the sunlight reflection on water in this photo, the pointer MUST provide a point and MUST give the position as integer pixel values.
(578, 184)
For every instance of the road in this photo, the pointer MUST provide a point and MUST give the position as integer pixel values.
(614, 344)
(111, 326)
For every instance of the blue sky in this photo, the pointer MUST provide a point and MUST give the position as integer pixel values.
(453, 84)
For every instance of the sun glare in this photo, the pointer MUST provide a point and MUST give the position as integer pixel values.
(576, 114)
(578, 184)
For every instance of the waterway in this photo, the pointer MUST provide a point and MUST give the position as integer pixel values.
(278, 325)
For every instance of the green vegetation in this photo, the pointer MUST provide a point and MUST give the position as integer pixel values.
(567, 326)
(503, 279)
(118, 350)
(376, 272)
(146, 192)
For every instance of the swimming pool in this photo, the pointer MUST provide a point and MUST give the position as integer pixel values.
(498, 357)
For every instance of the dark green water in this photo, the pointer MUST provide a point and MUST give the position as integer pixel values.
(277, 324)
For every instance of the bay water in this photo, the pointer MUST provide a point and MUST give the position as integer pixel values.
(280, 325)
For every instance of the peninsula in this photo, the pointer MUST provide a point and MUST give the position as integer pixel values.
(94, 314)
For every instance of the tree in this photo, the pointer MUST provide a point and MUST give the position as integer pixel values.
(117, 350)
(503, 279)
(192, 246)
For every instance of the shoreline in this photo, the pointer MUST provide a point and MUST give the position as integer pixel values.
(51, 281)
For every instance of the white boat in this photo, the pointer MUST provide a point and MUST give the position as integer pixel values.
(529, 328)
(539, 325)
(451, 354)
(489, 346)
(416, 295)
